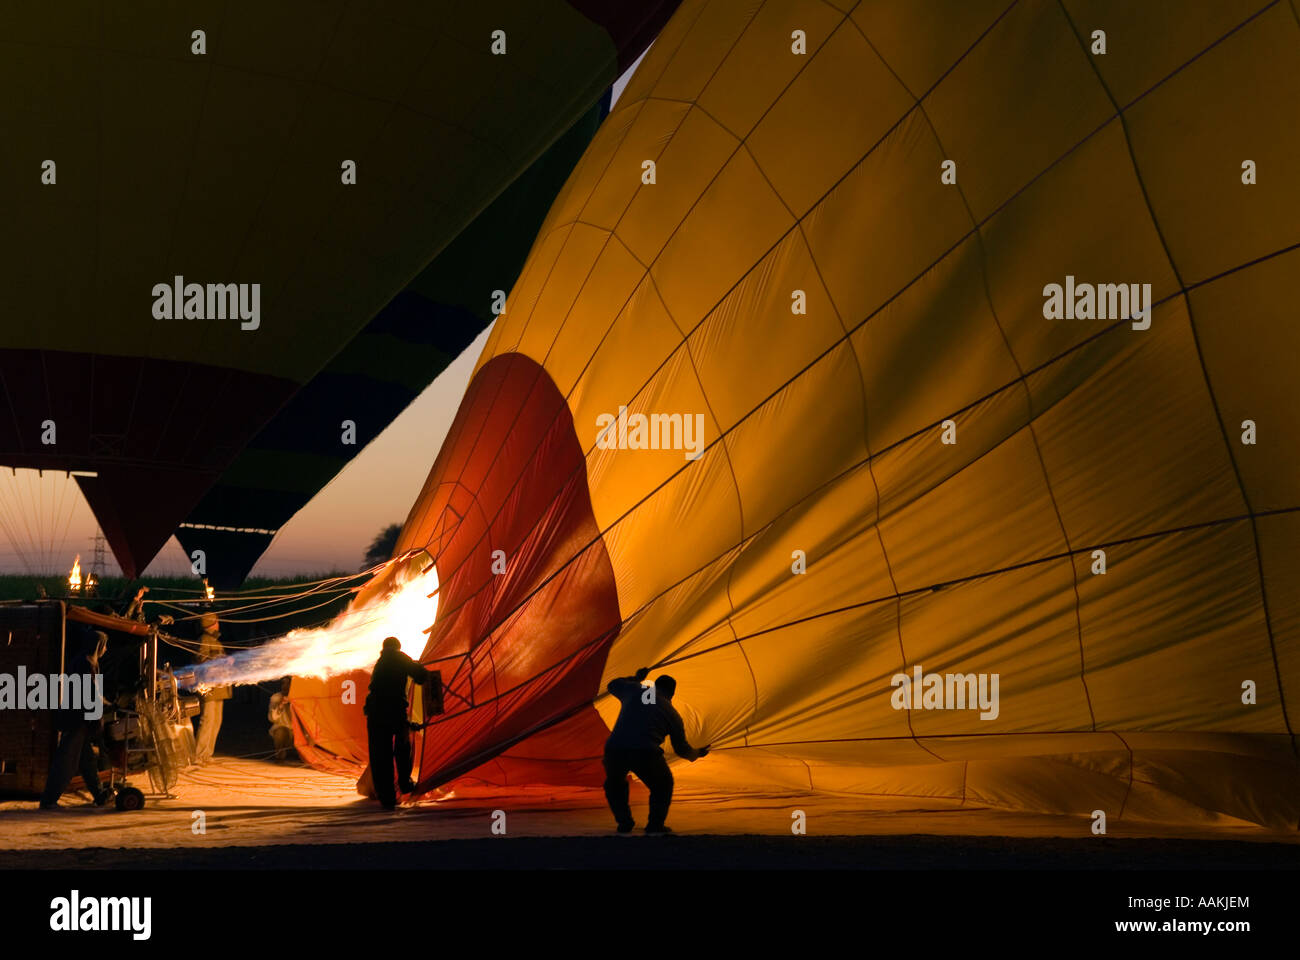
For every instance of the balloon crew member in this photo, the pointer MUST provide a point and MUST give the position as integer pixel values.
(77, 734)
(387, 727)
(210, 648)
(646, 716)
(135, 611)
(281, 721)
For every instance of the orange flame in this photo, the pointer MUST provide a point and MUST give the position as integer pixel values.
(401, 601)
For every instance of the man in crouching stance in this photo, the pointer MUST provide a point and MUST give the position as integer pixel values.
(647, 716)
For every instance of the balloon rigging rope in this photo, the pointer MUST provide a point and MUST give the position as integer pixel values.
(23, 503)
(72, 509)
(254, 593)
(10, 525)
(337, 595)
(266, 600)
(261, 604)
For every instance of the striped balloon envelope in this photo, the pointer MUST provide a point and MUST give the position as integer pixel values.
(915, 383)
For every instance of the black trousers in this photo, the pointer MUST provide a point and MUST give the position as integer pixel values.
(76, 750)
(651, 769)
(389, 744)
(282, 737)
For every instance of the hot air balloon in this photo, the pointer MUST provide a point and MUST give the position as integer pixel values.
(204, 211)
(917, 384)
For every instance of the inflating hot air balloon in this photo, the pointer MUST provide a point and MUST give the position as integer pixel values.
(204, 208)
(916, 383)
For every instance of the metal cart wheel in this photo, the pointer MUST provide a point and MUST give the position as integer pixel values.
(129, 798)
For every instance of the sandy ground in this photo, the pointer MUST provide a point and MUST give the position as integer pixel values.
(261, 814)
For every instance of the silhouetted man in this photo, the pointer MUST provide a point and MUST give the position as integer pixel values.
(77, 734)
(388, 729)
(647, 716)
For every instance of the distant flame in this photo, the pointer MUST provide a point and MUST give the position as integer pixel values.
(74, 578)
(207, 588)
(351, 642)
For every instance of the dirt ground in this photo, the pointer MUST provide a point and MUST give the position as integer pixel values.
(248, 813)
(243, 811)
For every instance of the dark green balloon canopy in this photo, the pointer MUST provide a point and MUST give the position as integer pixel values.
(209, 141)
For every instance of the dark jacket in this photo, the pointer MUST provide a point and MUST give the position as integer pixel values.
(84, 664)
(641, 725)
(386, 701)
